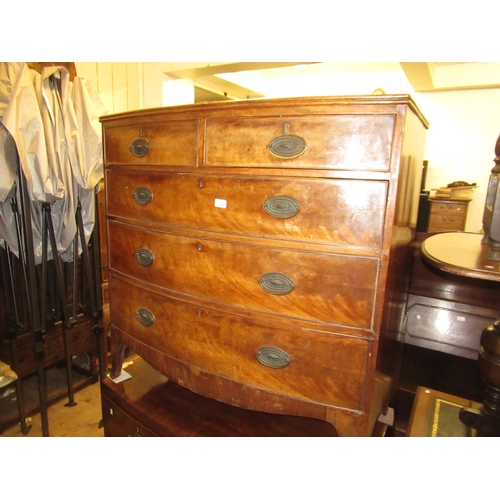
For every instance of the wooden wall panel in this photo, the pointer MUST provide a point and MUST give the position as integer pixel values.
(118, 83)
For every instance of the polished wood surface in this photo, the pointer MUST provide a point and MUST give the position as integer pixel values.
(242, 142)
(180, 136)
(329, 287)
(338, 361)
(323, 289)
(327, 214)
(447, 312)
(464, 254)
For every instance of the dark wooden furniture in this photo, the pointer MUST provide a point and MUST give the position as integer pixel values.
(259, 251)
(447, 312)
(447, 214)
(467, 254)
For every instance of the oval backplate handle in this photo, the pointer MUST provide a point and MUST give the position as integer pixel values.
(145, 316)
(273, 357)
(281, 207)
(140, 147)
(144, 256)
(142, 195)
(276, 283)
(287, 146)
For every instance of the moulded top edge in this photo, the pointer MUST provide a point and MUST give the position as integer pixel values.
(264, 102)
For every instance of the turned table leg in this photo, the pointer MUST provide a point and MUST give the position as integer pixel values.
(486, 421)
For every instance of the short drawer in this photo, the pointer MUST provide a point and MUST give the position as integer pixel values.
(320, 287)
(448, 208)
(343, 142)
(340, 212)
(118, 423)
(284, 360)
(167, 143)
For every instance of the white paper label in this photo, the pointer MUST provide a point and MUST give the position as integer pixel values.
(220, 203)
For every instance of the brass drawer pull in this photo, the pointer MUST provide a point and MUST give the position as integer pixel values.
(281, 207)
(276, 283)
(140, 148)
(273, 357)
(142, 195)
(144, 256)
(145, 317)
(287, 146)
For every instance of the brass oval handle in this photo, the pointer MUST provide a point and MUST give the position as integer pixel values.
(281, 207)
(287, 146)
(144, 256)
(145, 317)
(276, 283)
(273, 357)
(142, 195)
(140, 147)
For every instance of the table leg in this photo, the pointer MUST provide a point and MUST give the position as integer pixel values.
(487, 420)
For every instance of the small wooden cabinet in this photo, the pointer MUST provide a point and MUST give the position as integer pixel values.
(447, 214)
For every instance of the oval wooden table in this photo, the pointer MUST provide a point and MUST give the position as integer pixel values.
(467, 254)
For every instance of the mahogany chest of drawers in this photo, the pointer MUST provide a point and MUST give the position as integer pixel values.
(259, 251)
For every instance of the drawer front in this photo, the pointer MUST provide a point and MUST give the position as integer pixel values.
(448, 208)
(345, 142)
(243, 349)
(168, 143)
(442, 222)
(448, 324)
(118, 423)
(81, 340)
(339, 212)
(320, 287)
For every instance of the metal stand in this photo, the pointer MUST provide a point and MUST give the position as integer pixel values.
(15, 327)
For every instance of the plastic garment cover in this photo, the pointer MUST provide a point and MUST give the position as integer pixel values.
(52, 124)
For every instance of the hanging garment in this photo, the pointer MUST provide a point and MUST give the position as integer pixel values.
(59, 148)
(89, 170)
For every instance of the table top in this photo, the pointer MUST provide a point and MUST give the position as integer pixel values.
(461, 253)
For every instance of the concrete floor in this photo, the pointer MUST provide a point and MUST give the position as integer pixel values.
(81, 420)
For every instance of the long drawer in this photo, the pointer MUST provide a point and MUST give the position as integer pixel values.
(322, 287)
(344, 142)
(309, 365)
(335, 212)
